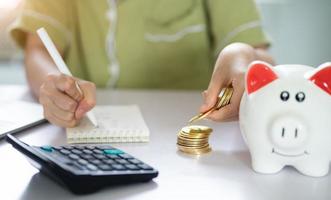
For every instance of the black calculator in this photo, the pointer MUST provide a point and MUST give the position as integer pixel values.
(85, 169)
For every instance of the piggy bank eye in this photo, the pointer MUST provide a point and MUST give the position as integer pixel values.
(300, 96)
(284, 96)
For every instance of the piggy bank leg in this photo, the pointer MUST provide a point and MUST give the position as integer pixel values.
(265, 165)
(314, 167)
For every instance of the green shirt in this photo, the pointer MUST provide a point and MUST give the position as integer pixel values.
(142, 43)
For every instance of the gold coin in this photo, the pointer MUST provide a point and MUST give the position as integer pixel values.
(195, 151)
(228, 97)
(193, 137)
(192, 140)
(222, 99)
(191, 144)
(197, 148)
(222, 92)
(190, 148)
(196, 129)
(194, 133)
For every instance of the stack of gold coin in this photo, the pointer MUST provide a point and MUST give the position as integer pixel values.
(194, 139)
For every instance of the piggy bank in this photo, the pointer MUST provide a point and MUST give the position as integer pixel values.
(285, 117)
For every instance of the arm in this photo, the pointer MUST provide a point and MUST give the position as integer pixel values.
(230, 68)
(63, 103)
(38, 64)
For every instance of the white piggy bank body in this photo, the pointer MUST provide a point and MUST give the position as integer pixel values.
(285, 117)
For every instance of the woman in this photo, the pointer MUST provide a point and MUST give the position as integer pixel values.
(138, 44)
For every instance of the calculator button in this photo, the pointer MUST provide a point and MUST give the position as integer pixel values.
(105, 147)
(87, 156)
(60, 158)
(79, 147)
(75, 151)
(87, 151)
(118, 167)
(98, 151)
(145, 167)
(58, 148)
(100, 156)
(91, 167)
(125, 156)
(131, 167)
(109, 161)
(105, 167)
(135, 161)
(47, 148)
(90, 147)
(111, 156)
(113, 151)
(75, 166)
(73, 156)
(82, 162)
(64, 151)
(68, 147)
(122, 161)
(96, 162)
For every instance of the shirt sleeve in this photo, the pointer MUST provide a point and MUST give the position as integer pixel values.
(53, 15)
(235, 21)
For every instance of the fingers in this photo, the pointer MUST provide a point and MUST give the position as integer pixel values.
(59, 113)
(89, 100)
(59, 122)
(230, 111)
(69, 86)
(210, 95)
(62, 99)
(58, 108)
(224, 114)
(230, 119)
(220, 79)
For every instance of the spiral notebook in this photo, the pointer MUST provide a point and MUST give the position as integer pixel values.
(120, 123)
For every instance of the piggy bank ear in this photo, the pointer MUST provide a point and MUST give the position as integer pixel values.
(258, 75)
(322, 77)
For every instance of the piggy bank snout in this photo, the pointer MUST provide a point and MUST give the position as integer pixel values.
(288, 133)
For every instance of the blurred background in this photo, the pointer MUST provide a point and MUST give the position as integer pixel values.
(300, 31)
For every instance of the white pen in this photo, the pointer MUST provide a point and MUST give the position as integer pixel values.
(61, 65)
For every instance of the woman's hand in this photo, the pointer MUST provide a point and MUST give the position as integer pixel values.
(66, 99)
(230, 69)
(63, 101)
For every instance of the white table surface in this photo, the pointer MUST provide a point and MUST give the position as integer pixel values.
(225, 173)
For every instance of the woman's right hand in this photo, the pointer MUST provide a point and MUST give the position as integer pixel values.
(66, 99)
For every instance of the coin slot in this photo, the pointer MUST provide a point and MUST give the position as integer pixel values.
(283, 132)
(296, 133)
